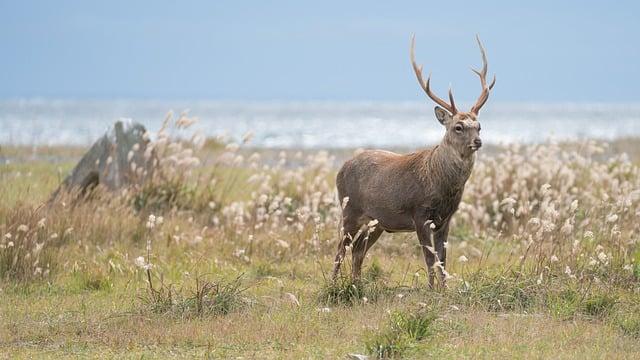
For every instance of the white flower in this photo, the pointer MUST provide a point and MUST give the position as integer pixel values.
(151, 223)
(545, 188)
(574, 206)
(628, 267)
(141, 263)
(567, 270)
(554, 259)
(602, 257)
(23, 228)
(611, 218)
(463, 259)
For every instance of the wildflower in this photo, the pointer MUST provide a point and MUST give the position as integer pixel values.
(588, 235)
(151, 223)
(41, 222)
(463, 259)
(628, 267)
(567, 270)
(10, 244)
(554, 259)
(611, 218)
(292, 298)
(23, 228)
(283, 244)
(567, 228)
(574, 206)
(602, 257)
(372, 223)
(142, 263)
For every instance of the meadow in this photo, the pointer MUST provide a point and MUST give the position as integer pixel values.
(227, 253)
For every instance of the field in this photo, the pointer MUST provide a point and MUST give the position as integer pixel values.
(228, 255)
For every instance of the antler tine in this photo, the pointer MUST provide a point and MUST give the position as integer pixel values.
(484, 95)
(453, 104)
(425, 85)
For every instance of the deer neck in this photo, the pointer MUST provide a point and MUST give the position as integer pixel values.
(449, 171)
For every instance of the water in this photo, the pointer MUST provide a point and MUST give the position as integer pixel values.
(313, 124)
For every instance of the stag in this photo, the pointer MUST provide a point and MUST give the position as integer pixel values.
(419, 192)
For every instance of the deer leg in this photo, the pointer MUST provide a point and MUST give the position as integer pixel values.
(350, 229)
(360, 248)
(428, 249)
(440, 238)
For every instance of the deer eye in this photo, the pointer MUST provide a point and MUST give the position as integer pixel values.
(459, 128)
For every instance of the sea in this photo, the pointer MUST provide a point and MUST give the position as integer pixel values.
(313, 124)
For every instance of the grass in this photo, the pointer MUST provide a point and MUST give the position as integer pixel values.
(240, 264)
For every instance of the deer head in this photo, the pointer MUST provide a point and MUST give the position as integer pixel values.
(463, 128)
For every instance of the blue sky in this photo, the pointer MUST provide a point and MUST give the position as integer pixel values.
(542, 51)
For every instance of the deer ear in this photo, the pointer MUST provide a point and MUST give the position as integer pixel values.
(442, 115)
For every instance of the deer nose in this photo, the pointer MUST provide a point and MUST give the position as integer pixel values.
(477, 142)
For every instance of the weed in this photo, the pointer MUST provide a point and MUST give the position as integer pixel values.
(630, 324)
(403, 331)
(206, 298)
(599, 305)
(345, 291)
(503, 292)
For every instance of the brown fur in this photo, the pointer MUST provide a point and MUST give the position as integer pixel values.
(407, 192)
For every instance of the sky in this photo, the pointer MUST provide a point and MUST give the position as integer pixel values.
(541, 51)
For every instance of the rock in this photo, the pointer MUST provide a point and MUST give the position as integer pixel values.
(115, 161)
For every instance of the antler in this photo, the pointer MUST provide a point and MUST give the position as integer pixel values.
(484, 95)
(425, 85)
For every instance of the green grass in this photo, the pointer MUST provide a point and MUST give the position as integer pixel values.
(222, 289)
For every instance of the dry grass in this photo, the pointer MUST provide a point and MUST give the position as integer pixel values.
(543, 259)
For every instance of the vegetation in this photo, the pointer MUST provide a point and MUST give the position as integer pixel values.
(226, 254)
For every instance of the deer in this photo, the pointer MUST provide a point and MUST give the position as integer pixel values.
(381, 191)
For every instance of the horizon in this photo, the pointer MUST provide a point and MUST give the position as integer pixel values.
(573, 52)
